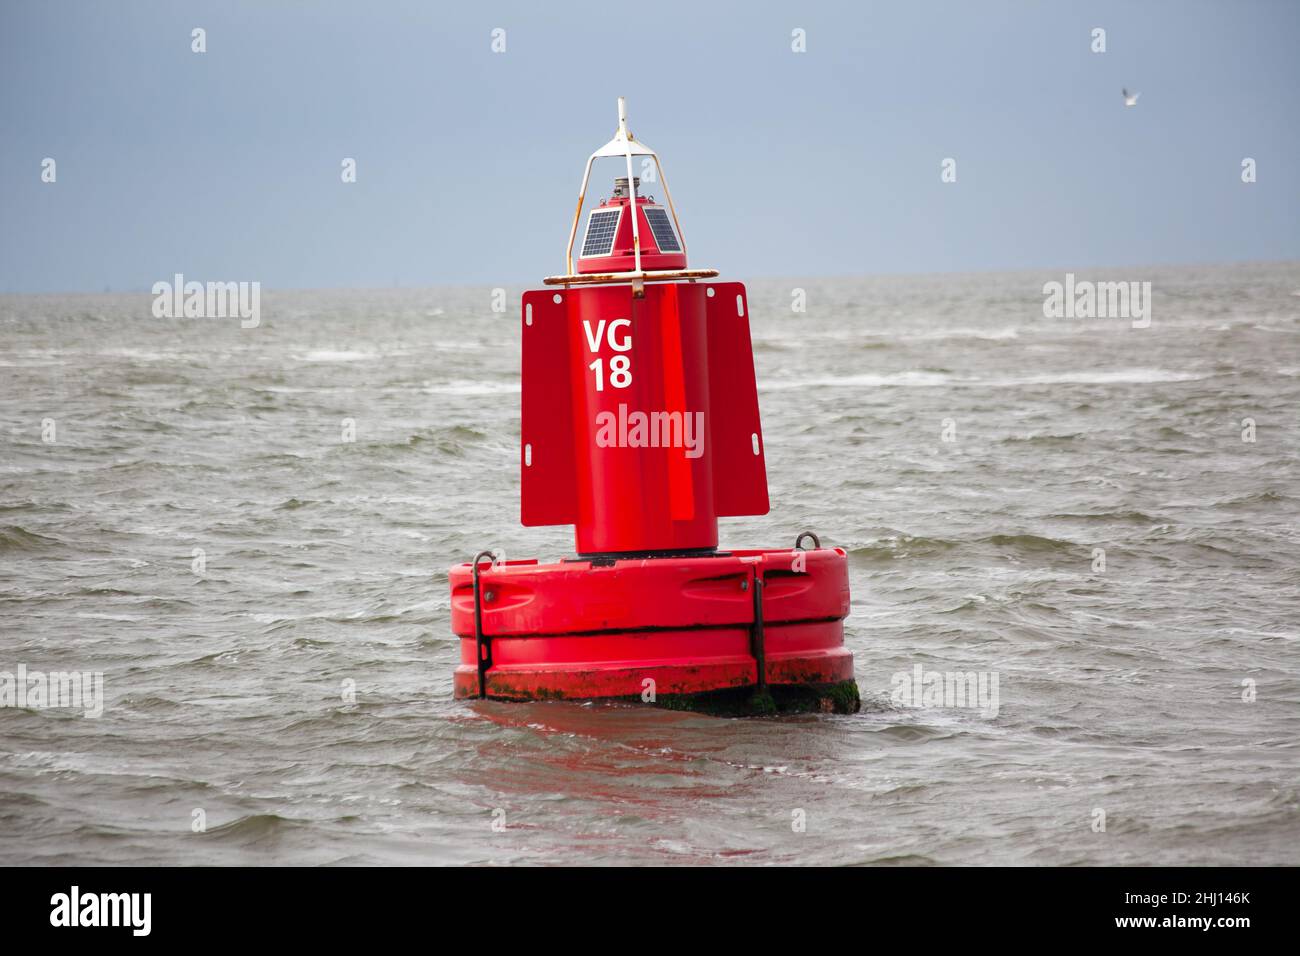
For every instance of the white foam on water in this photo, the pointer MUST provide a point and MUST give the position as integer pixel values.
(897, 379)
(1132, 376)
(141, 355)
(1126, 376)
(989, 335)
(332, 355)
(472, 388)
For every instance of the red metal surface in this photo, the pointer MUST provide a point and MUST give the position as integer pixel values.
(574, 630)
(621, 257)
(686, 351)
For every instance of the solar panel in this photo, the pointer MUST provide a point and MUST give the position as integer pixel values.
(665, 238)
(602, 225)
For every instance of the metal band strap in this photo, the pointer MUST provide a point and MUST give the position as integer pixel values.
(482, 642)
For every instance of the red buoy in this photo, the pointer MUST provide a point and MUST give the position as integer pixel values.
(640, 427)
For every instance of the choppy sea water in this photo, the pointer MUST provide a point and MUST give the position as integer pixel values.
(322, 561)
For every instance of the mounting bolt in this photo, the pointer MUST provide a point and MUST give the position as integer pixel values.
(489, 595)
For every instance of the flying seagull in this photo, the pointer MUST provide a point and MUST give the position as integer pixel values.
(1130, 99)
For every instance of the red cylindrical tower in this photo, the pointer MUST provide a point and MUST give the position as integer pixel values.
(641, 409)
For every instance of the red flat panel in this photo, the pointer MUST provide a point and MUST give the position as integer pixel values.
(548, 487)
(739, 475)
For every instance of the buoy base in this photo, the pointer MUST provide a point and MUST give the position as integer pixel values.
(838, 698)
(746, 701)
(801, 687)
(682, 632)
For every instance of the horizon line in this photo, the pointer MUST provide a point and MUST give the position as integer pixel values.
(762, 278)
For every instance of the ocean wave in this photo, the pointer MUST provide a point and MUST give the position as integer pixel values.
(1121, 515)
(16, 538)
(1267, 497)
(895, 546)
(254, 828)
(1028, 543)
(1039, 439)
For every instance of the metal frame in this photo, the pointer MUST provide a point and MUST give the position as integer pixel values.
(623, 144)
(636, 278)
(757, 638)
(481, 641)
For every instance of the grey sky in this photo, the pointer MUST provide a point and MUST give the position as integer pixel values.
(226, 165)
